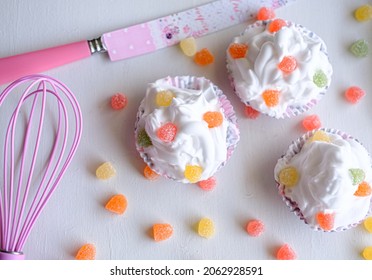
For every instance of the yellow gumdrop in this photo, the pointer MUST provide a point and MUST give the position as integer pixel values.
(321, 136)
(105, 171)
(367, 253)
(193, 173)
(368, 224)
(288, 176)
(206, 228)
(363, 13)
(188, 46)
(164, 98)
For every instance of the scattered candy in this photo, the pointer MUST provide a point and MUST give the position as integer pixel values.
(288, 176)
(188, 46)
(354, 94)
(367, 253)
(193, 173)
(265, 13)
(360, 48)
(364, 189)
(271, 97)
(86, 252)
(206, 228)
(105, 171)
(237, 50)
(167, 132)
(117, 204)
(213, 119)
(288, 64)
(255, 228)
(162, 232)
(285, 252)
(251, 113)
(325, 220)
(143, 139)
(164, 98)
(357, 175)
(203, 57)
(368, 224)
(276, 25)
(363, 13)
(119, 101)
(208, 184)
(150, 174)
(320, 136)
(311, 122)
(320, 79)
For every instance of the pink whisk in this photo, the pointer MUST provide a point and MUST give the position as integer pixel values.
(40, 142)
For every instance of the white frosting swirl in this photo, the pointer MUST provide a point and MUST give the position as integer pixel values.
(195, 143)
(325, 184)
(259, 71)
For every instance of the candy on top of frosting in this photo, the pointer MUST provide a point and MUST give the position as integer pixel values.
(364, 189)
(271, 97)
(276, 25)
(237, 50)
(288, 176)
(167, 132)
(164, 98)
(213, 119)
(288, 64)
(325, 220)
(321, 136)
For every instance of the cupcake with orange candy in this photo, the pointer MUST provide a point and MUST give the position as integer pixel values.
(186, 129)
(278, 68)
(325, 178)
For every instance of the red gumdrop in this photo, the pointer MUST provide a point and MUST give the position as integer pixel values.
(251, 113)
(119, 101)
(167, 132)
(311, 122)
(354, 94)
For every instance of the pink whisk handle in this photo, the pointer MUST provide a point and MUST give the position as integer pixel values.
(11, 256)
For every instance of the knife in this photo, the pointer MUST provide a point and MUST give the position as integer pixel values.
(140, 38)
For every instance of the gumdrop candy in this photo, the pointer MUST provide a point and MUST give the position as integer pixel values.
(364, 189)
(86, 252)
(105, 171)
(193, 173)
(354, 94)
(251, 113)
(213, 119)
(286, 252)
(368, 224)
(119, 101)
(150, 174)
(288, 176)
(167, 132)
(208, 184)
(276, 25)
(357, 175)
(265, 13)
(320, 79)
(288, 64)
(311, 122)
(162, 232)
(325, 220)
(320, 136)
(188, 46)
(117, 204)
(237, 50)
(164, 98)
(206, 228)
(255, 228)
(363, 13)
(367, 253)
(271, 97)
(203, 57)
(360, 48)
(143, 139)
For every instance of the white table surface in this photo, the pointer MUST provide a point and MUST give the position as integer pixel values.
(246, 189)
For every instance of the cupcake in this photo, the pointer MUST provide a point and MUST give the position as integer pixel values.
(186, 128)
(279, 68)
(325, 178)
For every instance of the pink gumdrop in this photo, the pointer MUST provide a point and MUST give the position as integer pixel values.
(208, 184)
(285, 252)
(251, 113)
(119, 101)
(255, 228)
(354, 94)
(167, 132)
(311, 122)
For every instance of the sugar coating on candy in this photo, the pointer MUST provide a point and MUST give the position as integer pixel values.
(357, 175)
(188, 46)
(286, 252)
(251, 113)
(360, 48)
(203, 57)
(237, 50)
(320, 136)
(288, 176)
(105, 171)
(325, 220)
(288, 64)
(311, 122)
(162, 232)
(119, 101)
(271, 97)
(86, 252)
(167, 132)
(213, 119)
(208, 184)
(193, 173)
(354, 94)
(164, 98)
(367, 253)
(276, 25)
(206, 228)
(143, 139)
(364, 189)
(265, 13)
(117, 204)
(150, 174)
(363, 13)
(368, 224)
(320, 79)
(255, 228)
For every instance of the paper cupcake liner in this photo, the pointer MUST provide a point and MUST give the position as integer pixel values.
(294, 149)
(291, 111)
(192, 82)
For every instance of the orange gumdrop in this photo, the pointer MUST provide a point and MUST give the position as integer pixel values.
(271, 97)
(285, 252)
(237, 50)
(213, 119)
(288, 64)
(117, 204)
(276, 25)
(162, 231)
(325, 220)
(150, 174)
(364, 189)
(203, 57)
(86, 252)
(265, 13)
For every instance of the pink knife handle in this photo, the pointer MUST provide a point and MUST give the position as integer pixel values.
(14, 67)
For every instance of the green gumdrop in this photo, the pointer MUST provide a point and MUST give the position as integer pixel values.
(143, 139)
(360, 48)
(357, 175)
(320, 79)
